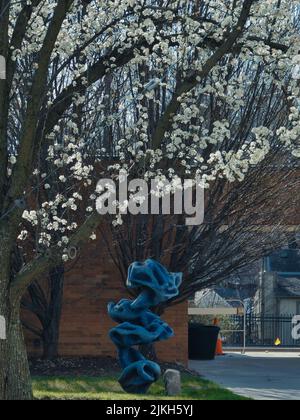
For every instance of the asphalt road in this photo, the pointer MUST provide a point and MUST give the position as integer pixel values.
(261, 376)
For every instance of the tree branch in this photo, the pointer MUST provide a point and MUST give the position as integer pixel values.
(24, 163)
(192, 81)
(18, 37)
(52, 257)
(4, 22)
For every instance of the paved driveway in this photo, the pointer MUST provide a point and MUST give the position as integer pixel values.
(261, 376)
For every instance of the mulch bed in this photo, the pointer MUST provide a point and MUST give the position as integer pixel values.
(92, 367)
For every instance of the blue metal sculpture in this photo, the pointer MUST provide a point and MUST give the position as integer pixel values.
(138, 325)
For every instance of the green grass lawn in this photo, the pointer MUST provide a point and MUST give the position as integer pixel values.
(107, 388)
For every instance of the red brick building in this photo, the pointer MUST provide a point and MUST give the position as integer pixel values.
(89, 286)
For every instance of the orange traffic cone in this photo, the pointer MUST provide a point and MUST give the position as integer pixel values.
(219, 349)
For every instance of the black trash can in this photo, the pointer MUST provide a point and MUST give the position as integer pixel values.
(203, 341)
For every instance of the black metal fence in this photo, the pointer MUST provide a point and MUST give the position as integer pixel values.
(260, 331)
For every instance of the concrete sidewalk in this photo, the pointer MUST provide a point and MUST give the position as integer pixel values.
(261, 376)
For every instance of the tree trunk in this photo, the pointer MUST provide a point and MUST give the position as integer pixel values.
(15, 381)
(18, 378)
(50, 344)
(3, 343)
(52, 329)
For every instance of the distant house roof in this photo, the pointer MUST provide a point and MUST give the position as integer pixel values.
(285, 262)
(209, 298)
(241, 293)
(221, 297)
(288, 288)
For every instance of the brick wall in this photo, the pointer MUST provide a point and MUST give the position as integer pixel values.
(89, 286)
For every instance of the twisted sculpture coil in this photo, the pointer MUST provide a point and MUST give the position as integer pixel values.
(139, 325)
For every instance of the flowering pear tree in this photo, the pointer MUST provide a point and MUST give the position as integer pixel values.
(136, 70)
(258, 207)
